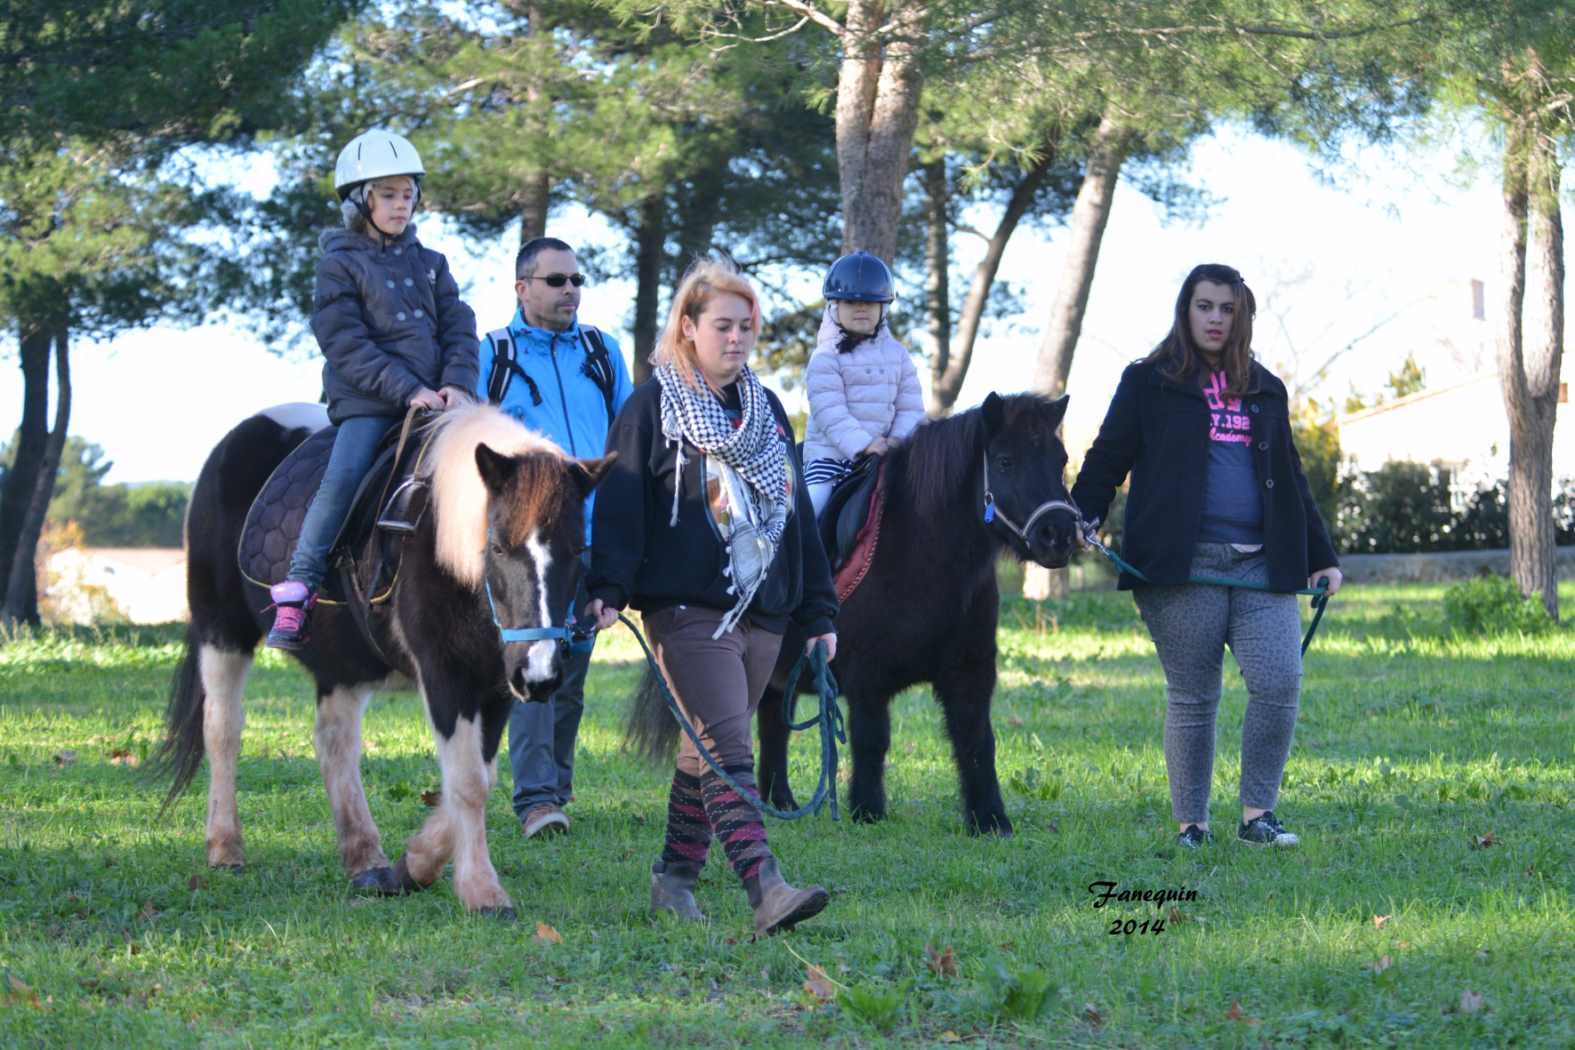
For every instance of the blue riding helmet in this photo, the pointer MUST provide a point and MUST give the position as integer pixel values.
(859, 278)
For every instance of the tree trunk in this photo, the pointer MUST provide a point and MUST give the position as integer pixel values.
(31, 438)
(946, 386)
(21, 595)
(649, 238)
(1529, 375)
(697, 219)
(938, 283)
(1090, 213)
(536, 193)
(878, 87)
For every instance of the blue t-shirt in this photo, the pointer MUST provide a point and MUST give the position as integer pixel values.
(1232, 500)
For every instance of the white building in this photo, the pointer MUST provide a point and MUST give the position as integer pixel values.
(1462, 426)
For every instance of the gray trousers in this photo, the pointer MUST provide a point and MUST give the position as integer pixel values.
(1191, 625)
(541, 739)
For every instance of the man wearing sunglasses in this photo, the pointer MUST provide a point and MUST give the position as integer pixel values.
(567, 381)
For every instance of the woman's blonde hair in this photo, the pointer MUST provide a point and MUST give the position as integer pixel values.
(706, 278)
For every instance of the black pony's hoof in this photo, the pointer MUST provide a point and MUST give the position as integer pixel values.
(997, 825)
(866, 816)
(382, 882)
(503, 914)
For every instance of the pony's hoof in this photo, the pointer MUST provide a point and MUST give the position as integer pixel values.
(236, 867)
(400, 881)
(503, 913)
(867, 816)
(379, 882)
(998, 826)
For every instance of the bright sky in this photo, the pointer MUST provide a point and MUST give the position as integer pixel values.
(1395, 245)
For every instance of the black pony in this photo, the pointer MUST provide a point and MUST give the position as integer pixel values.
(499, 545)
(927, 609)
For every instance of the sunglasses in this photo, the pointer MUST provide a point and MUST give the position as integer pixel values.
(558, 280)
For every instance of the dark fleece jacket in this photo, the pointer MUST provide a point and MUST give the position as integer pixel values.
(639, 558)
(1158, 431)
(390, 321)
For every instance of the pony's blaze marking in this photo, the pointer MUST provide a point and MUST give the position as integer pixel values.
(542, 655)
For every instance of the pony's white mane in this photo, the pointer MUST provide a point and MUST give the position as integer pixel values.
(459, 496)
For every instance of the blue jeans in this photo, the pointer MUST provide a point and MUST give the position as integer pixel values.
(541, 739)
(355, 446)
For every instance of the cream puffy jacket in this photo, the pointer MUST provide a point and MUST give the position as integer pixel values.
(871, 391)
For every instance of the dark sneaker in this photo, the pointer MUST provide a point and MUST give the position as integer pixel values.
(1266, 831)
(292, 602)
(1194, 837)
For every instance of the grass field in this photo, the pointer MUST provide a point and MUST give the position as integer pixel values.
(1433, 784)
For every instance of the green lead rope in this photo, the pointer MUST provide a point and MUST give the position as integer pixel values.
(829, 719)
(1319, 594)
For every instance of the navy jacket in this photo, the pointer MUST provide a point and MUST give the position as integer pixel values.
(1158, 431)
(640, 559)
(390, 321)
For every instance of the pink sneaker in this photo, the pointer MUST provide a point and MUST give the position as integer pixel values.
(292, 601)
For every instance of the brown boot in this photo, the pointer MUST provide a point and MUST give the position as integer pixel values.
(779, 906)
(673, 890)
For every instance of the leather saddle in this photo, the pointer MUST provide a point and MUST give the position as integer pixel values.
(364, 560)
(847, 510)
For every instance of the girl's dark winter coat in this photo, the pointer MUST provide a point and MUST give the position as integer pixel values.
(640, 559)
(390, 322)
(1158, 429)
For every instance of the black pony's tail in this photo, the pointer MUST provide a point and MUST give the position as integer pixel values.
(650, 731)
(180, 755)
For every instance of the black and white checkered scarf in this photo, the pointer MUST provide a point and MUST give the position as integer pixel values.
(754, 449)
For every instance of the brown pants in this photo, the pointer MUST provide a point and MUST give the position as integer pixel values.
(718, 681)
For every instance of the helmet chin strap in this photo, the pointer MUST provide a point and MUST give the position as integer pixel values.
(837, 320)
(358, 198)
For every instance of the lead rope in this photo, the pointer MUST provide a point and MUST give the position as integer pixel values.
(829, 719)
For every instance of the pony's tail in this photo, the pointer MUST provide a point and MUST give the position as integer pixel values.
(180, 755)
(650, 731)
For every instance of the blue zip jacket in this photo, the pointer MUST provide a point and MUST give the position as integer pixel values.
(572, 411)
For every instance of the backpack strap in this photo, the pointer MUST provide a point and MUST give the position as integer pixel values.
(598, 366)
(505, 368)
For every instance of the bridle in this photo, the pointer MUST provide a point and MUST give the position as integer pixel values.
(563, 634)
(992, 511)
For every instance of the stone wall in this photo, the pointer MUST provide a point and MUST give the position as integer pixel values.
(1443, 566)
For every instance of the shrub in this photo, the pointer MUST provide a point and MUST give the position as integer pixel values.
(1494, 605)
(1405, 508)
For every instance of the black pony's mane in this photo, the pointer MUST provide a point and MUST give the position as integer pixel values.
(938, 461)
(939, 458)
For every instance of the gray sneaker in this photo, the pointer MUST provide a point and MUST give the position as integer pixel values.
(1194, 837)
(1266, 831)
(544, 819)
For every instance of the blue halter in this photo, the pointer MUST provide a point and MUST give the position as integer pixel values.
(532, 634)
(509, 635)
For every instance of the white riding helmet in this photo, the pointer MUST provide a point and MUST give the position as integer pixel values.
(376, 155)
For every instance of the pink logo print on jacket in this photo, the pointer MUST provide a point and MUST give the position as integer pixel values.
(1227, 422)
